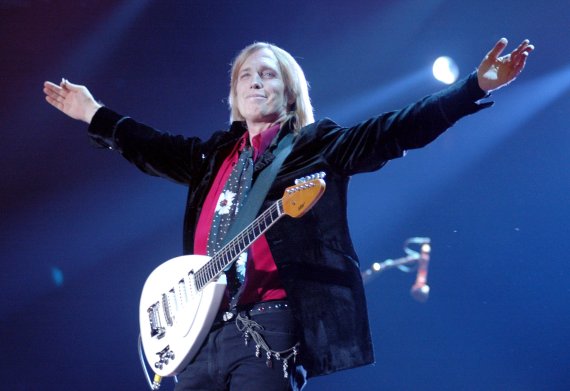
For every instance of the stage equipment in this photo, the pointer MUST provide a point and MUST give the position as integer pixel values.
(413, 261)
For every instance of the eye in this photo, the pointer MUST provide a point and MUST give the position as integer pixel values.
(244, 76)
(268, 74)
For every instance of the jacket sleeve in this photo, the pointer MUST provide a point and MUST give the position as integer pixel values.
(177, 158)
(368, 145)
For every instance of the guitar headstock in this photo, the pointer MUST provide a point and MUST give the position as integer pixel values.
(298, 199)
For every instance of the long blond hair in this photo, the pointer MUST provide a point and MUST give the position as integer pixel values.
(296, 86)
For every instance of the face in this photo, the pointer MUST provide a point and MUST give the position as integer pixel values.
(260, 89)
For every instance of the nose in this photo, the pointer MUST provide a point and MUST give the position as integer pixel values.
(256, 83)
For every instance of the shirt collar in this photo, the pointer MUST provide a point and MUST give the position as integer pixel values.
(260, 141)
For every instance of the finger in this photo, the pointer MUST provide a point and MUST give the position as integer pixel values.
(496, 51)
(528, 49)
(521, 48)
(522, 52)
(522, 45)
(51, 87)
(55, 92)
(55, 97)
(70, 86)
(516, 65)
(54, 103)
(50, 84)
(520, 62)
(526, 45)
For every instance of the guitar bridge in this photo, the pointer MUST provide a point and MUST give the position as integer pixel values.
(156, 328)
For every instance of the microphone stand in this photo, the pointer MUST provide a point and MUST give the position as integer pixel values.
(412, 261)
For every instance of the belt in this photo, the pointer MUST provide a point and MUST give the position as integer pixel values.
(265, 307)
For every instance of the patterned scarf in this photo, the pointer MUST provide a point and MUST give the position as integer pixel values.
(231, 199)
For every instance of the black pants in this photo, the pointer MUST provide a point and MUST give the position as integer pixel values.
(225, 363)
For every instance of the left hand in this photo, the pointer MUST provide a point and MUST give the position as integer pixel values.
(495, 72)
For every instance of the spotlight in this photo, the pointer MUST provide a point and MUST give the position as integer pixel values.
(445, 70)
(57, 276)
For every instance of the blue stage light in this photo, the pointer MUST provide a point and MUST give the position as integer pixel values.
(57, 276)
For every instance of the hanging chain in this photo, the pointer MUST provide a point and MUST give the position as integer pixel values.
(251, 330)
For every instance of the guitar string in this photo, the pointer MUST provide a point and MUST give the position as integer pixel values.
(223, 258)
(233, 250)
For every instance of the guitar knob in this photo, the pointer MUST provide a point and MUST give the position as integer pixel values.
(158, 365)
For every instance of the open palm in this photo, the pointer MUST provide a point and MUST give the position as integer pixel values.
(495, 72)
(74, 100)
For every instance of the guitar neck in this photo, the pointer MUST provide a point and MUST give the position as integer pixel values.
(231, 251)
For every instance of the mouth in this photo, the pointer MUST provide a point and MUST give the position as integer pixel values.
(256, 96)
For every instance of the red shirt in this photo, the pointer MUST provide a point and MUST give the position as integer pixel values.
(261, 278)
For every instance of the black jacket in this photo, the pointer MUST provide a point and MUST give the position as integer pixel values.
(317, 264)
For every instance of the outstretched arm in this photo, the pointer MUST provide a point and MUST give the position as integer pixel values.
(495, 72)
(74, 100)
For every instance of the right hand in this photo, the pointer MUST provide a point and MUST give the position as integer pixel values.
(74, 100)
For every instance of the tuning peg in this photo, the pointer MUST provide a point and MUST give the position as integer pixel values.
(319, 175)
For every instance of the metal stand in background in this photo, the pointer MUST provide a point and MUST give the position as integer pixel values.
(414, 261)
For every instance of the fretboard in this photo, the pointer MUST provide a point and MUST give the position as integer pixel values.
(231, 251)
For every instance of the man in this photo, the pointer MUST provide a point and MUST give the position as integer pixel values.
(298, 291)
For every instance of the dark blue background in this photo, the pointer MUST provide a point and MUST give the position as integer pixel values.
(80, 229)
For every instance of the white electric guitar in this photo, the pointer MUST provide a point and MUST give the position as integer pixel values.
(181, 297)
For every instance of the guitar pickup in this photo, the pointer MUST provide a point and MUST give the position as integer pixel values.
(167, 309)
(156, 328)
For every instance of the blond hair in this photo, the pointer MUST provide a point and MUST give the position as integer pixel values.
(300, 112)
